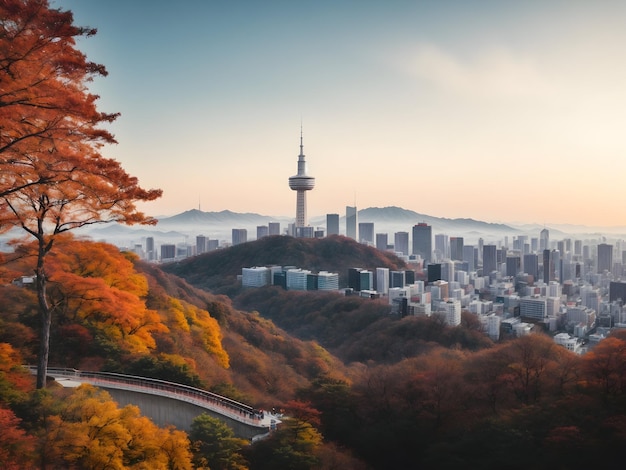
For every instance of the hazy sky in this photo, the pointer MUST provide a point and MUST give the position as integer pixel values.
(502, 111)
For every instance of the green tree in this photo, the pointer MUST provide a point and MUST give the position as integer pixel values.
(215, 445)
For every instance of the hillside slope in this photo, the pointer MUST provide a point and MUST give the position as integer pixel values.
(217, 271)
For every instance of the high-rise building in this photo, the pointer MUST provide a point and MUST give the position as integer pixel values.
(239, 235)
(262, 231)
(382, 280)
(274, 228)
(442, 247)
(150, 249)
(531, 265)
(423, 241)
(544, 239)
(201, 242)
(301, 183)
(168, 251)
(456, 248)
(397, 279)
(513, 265)
(366, 232)
(605, 257)
(381, 241)
(401, 242)
(351, 216)
(469, 257)
(332, 224)
(549, 273)
(489, 259)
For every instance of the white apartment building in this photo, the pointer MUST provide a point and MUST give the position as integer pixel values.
(327, 281)
(297, 279)
(257, 276)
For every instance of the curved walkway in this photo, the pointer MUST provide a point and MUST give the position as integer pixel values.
(224, 406)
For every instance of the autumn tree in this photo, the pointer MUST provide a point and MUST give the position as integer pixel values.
(93, 432)
(53, 178)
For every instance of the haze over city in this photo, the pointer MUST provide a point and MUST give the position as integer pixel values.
(496, 111)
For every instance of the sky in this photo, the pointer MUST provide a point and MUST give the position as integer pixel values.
(498, 111)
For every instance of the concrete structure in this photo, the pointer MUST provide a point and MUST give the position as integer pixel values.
(401, 242)
(167, 403)
(332, 224)
(274, 228)
(301, 183)
(239, 236)
(256, 276)
(327, 281)
(366, 232)
(351, 222)
(423, 241)
(382, 280)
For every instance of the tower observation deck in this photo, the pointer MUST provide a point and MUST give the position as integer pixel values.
(301, 183)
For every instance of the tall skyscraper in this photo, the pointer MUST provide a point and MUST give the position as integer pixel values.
(201, 244)
(239, 235)
(262, 231)
(332, 224)
(401, 242)
(489, 259)
(301, 183)
(381, 241)
(456, 248)
(351, 215)
(544, 239)
(366, 232)
(605, 257)
(423, 241)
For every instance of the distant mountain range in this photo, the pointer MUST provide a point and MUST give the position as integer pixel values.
(218, 225)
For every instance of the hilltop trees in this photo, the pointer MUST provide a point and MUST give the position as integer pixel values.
(53, 178)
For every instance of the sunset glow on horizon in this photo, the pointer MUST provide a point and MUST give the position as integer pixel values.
(496, 111)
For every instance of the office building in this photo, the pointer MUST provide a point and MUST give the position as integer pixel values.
(605, 257)
(366, 232)
(255, 276)
(422, 241)
(382, 280)
(262, 231)
(456, 248)
(150, 254)
(617, 292)
(381, 241)
(297, 279)
(168, 251)
(401, 242)
(489, 259)
(531, 265)
(332, 224)
(513, 265)
(301, 183)
(327, 281)
(351, 222)
(397, 279)
(274, 228)
(201, 244)
(239, 236)
(533, 308)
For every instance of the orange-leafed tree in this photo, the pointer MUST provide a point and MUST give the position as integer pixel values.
(53, 178)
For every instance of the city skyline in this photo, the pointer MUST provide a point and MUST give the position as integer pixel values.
(495, 111)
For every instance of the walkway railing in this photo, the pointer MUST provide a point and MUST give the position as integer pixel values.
(202, 398)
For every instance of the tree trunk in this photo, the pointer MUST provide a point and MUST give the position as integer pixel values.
(45, 315)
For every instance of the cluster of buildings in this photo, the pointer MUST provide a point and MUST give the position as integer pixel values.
(570, 287)
(289, 278)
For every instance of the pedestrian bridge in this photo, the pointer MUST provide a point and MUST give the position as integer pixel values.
(168, 403)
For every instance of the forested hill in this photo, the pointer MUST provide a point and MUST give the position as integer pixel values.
(217, 270)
